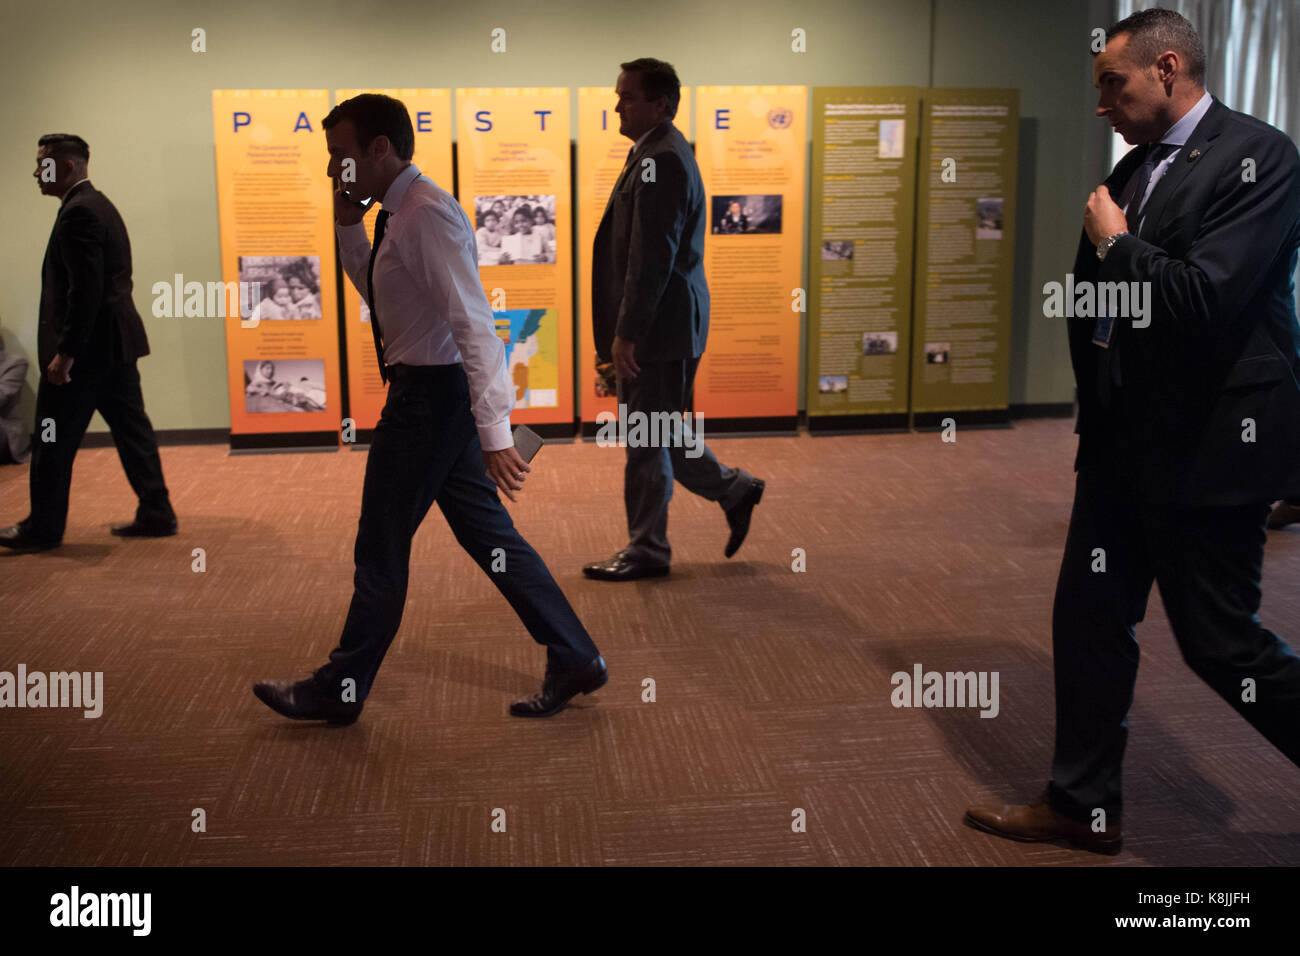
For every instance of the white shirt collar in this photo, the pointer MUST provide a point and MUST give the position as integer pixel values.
(397, 190)
(1178, 133)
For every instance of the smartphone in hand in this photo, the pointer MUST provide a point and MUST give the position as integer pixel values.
(348, 195)
(527, 442)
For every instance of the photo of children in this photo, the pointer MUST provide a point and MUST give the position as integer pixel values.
(289, 287)
(289, 385)
(514, 230)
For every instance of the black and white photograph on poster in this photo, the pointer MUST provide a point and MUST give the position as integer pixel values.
(879, 343)
(287, 287)
(837, 249)
(831, 384)
(741, 215)
(514, 230)
(891, 145)
(284, 385)
(936, 353)
(990, 219)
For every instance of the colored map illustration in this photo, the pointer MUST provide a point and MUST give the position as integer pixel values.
(532, 355)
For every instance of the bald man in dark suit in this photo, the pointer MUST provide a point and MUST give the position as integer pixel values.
(1187, 423)
(89, 338)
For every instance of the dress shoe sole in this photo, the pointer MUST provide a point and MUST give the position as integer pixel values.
(28, 548)
(1106, 849)
(121, 533)
(591, 689)
(758, 496)
(636, 575)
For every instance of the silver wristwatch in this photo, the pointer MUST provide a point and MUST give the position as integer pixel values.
(1103, 247)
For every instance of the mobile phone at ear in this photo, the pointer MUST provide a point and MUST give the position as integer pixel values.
(363, 203)
(347, 194)
(527, 442)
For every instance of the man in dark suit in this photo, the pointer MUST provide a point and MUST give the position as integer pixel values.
(87, 320)
(650, 312)
(1187, 418)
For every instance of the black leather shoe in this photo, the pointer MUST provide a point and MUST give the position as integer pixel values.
(739, 514)
(623, 568)
(146, 530)
(305, 700)
(16, 538)
(560, 687)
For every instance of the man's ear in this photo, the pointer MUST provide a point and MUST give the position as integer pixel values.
(1166, 66)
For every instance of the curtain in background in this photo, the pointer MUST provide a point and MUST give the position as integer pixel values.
(1252, 57)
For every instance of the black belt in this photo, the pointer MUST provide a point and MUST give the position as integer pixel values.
(423, 371)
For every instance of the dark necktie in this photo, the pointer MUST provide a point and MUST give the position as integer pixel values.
(1131, 200)
(1136, 189)
(381, 223)
(627, 165)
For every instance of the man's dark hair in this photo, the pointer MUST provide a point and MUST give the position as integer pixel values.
(1152, 32)
(65, 146)
(374, 114)
(657, 79)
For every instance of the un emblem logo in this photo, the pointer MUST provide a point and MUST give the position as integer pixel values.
(780, 118)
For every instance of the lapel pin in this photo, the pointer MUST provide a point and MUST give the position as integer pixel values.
(1191, 157)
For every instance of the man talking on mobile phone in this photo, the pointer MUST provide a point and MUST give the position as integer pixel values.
(444, 434)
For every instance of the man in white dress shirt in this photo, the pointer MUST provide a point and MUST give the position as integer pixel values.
(444, 434)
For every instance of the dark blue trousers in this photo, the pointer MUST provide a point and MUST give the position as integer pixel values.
(426, 449)
(115, 392)
(1208, 563)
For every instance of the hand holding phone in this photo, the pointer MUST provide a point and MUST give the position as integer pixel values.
(507, 467)
(527, 442)
(348, 211)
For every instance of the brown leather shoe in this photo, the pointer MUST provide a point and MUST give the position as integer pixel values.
(1041, 823)
(1283, 514)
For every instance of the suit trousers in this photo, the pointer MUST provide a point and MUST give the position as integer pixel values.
(426, 449)
(648, 475)
(1208, 564)
(115, 392)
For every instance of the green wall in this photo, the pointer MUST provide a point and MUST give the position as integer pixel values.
(122, 75)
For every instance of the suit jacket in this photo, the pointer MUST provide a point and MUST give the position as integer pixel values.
(647, 274)
(86, 307)
(15, 431)
(1223, 345)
